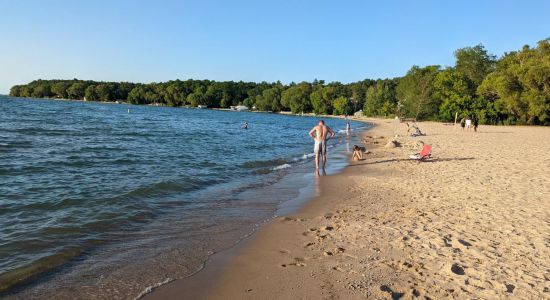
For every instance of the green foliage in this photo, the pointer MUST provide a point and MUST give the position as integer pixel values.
(514, 89)
(520, 86)
(381, 98)
(475, 63)
(342, 106)
(60, 89)
(76, 91)
(456, 93)
(415, 93)
(269, 100)
(297, 98)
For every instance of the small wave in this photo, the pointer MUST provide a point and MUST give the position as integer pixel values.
(306, 156)
(284, 166)
(150, 288)
(263, 163)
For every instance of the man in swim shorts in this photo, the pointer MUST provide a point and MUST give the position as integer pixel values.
(320, 137)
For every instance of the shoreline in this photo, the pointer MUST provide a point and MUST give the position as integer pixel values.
(389, 228)
(195, 285)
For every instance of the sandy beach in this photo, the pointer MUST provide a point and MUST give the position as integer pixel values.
(473, 222)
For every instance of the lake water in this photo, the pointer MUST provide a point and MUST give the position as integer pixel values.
(105, 200)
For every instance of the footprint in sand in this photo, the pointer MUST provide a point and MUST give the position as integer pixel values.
(394, 295)
(465, 243)
(297, 264)
(457, 269)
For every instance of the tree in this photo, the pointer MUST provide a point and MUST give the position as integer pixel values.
(520, 85)
(456, 94)
(42, 90)
(15, 91)
(270, 100)
(103, 92)
(342, 106)
(90, 93)
(297, 98)
(76, 90)
(381, 98)
(415, 93)
(59, 89)
(475, 63)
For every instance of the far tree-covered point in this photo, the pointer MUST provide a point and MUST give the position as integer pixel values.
(512, 89)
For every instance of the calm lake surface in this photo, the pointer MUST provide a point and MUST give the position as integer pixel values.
(100, 202)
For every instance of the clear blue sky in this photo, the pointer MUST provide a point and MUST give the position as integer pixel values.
(253, 40)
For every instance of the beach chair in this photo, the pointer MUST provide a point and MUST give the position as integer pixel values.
(424, 154)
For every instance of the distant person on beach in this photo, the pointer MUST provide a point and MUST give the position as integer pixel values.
(415, 130)
(320, 134)
(476, 123)
(462, 123)
(468, 124)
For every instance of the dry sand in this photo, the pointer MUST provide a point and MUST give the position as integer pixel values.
(471, 223)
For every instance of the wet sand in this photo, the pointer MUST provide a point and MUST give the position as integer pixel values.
(471, 222)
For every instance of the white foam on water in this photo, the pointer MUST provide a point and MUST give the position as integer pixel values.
(306, 156)
(281, 167)
(150, 288)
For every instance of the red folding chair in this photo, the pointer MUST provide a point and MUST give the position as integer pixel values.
(424, 154)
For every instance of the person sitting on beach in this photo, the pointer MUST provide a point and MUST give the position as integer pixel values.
(358, 152)
(320, 137)
(416, 131)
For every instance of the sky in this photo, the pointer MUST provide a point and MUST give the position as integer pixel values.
(252, 40)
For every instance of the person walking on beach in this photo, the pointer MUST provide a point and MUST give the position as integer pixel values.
(462, 123)
(476, 123)
(320, 134)
(468, 124)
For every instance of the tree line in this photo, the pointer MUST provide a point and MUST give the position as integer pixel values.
(512, 89)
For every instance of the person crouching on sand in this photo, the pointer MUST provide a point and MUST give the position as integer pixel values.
(320, 149)
(357, 152)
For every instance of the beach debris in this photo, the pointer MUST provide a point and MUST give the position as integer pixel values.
(394, 295)
(457, 269)
(393, 144)
(510, 288)
(414, 145)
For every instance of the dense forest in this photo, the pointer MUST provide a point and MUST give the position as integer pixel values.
(512, 89)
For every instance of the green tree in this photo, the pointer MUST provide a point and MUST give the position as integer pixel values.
(456, 94)
(270, 100)
(415, 93)
(475, 63)
(15, 91)
(103, 92)
(381, 98)
(59, 89)
(90, 93)
(342, 106)
(520, 85)
(297, 98)
(76, 90)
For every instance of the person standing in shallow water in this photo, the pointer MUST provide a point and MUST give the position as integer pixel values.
(320, 134)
